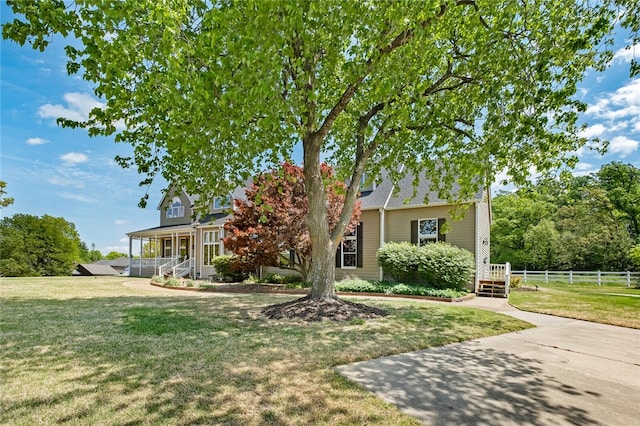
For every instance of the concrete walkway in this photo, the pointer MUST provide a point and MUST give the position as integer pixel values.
(563, 372)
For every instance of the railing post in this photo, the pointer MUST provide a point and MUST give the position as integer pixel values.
(570, 277)
(525, 275)
(628, 279)
(546, 277)
(599, 278)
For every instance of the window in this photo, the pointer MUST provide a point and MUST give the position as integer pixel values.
(350, 249)
(175, 209)
(211, 246)
(222, 202)
(425, 231)
(349, 254)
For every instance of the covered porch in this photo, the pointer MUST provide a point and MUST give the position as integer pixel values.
(168, 250)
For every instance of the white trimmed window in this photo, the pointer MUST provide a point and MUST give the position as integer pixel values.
(350, 250)
(175, 209)
(427, 231)
(211, 246)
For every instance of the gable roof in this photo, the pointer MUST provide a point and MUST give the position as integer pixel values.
(383, 197)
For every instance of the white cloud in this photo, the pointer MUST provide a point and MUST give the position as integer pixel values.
(628, 95)
(593, 131)
(124, 240)
(78, 107)
(627, 54)
(636, 126)
(77, 197)
(72, 158)
(66, 181)
(36, 141)
(120, 222)
(623, 146)
(583, 169)
(624, 102)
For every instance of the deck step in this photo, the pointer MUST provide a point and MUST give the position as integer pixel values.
(492, 288)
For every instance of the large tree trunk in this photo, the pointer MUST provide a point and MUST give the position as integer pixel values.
(322, 272)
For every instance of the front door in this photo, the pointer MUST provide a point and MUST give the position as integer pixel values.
(183, 247)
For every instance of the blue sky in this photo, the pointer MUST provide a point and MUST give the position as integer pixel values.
(64, 173)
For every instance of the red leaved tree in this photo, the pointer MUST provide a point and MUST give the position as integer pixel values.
(269, 228)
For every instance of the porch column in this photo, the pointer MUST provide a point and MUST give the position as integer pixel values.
(140, 264)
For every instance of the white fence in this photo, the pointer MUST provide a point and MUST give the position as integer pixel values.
(597, 277)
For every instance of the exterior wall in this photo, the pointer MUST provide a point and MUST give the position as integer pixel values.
(461, 233)
(185, 219)
(484, 239)
(370, 243)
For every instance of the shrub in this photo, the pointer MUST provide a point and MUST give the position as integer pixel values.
(172, 282)
(445, 266)
(357, 285)
(227, 266)
(399, 261)
(515, 282)
(157, 279)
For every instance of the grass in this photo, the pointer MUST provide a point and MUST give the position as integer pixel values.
(92, 351)
(606, 304)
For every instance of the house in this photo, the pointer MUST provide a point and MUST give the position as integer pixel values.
(182, 246)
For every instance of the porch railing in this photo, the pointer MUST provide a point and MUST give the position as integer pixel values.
(149, 265)
(501, 272)
(184, 268)
(168, 266)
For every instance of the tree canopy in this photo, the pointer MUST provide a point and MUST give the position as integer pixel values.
(579, 223)
(36, 246)
(4, 200)
(212, 92)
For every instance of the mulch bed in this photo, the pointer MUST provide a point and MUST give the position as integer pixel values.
(306, 309)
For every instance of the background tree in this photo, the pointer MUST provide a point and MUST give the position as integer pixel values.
(269, 228)
(151, 249)
(4, 201)
(542, 245)
(571, 222)
(35, 246)
(211, 92)
(622, 184)
(113, 255)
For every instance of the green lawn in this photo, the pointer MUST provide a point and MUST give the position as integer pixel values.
(607, 304)
(93, 351)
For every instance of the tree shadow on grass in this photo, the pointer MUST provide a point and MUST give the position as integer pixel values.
(177, 360)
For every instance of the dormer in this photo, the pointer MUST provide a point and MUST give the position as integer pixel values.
(367, 184)
(176, 208)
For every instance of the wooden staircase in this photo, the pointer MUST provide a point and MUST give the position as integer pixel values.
(496, 281)
(492, 288)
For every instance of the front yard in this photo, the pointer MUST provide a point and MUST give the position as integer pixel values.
(92, 351)
(606, 304)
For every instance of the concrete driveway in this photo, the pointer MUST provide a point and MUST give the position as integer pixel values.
(563, 372)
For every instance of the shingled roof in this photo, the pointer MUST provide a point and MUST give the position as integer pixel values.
(382, 195)
(88, 269)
